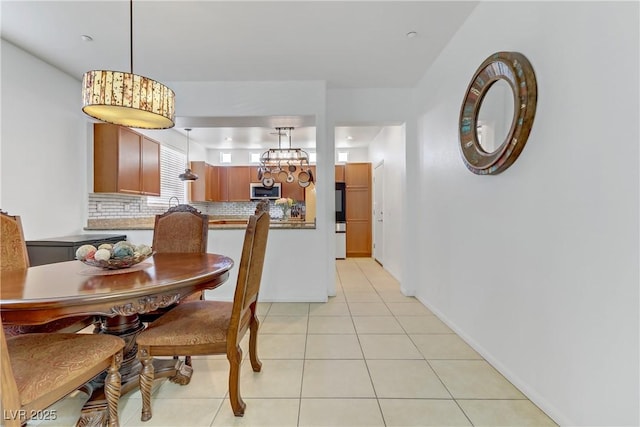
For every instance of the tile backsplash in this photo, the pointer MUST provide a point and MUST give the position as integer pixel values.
(108, 206)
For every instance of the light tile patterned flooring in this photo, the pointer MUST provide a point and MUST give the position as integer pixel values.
(369, 357)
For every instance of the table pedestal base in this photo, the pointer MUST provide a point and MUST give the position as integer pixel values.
(95, 410)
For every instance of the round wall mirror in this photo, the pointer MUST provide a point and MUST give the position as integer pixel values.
(497, 113)
(495, 116)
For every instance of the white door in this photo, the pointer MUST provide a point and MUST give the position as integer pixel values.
(378, 203)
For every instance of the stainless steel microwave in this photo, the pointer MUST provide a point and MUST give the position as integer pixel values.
(259, 191)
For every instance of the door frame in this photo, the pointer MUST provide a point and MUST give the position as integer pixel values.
(378, 212)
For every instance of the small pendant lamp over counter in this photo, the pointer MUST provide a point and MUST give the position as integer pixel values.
(187, 175)
(128, 99)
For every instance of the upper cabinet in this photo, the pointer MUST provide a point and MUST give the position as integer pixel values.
(231, 183)
(150, 166)
(124, 161)
(220, 183)
(200, 190)
(340, 173)
(238, 180)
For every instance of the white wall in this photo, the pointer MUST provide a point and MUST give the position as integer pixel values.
(538, 267)
(43, 174)
(356, 154)
(389, 147)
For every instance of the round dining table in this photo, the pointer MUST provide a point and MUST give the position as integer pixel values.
(43, 293)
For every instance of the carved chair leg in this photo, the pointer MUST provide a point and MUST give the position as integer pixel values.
(256, 364)
(237, 404)
(146, 382)
(112, 384)
(184, 371)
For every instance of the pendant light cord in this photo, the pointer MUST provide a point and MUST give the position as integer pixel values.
(131, 34)
(188, 131)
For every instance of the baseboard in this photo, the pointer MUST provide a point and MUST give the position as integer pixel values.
(548, 408)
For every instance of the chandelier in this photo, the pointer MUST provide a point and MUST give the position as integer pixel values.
(284, 164)
(128, 99)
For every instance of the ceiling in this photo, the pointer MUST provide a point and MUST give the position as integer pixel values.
(348, 44)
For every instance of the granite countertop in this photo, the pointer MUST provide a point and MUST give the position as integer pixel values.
(215, 223)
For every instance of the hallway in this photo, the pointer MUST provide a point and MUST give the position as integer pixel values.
(368, 357)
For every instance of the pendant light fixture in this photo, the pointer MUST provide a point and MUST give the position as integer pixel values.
(128, 99)
(277, 157)
(283, 164)
(188, 175)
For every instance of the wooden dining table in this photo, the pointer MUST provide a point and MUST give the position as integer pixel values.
(43, 293)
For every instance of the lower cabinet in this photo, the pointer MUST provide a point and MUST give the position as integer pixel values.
(59, 249)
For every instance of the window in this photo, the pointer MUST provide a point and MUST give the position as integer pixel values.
(312, 157)
(172, 164)
(343, 156)
(225, 157)
(255, 157)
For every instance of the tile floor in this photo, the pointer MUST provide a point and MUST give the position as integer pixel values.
(368, 357)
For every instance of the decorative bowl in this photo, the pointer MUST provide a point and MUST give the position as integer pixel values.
(117, 263)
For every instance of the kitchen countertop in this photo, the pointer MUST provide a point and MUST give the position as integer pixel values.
(215, 223)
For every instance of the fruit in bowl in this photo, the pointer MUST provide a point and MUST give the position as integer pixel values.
(120, 255)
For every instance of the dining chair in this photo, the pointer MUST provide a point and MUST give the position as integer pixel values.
(14, 256)
(181, 229)
(212, 327)
(39, 369)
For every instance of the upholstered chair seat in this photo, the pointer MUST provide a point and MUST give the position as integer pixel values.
(42, 361)
(40, 369)
(190, 323)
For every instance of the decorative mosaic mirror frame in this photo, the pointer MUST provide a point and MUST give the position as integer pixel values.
(516, 70)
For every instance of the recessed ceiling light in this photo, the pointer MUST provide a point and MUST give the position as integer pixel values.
(86, 38)
(411, 34)
(228, 138)
(349, 138)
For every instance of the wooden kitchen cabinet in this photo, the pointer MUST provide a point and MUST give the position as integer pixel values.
(358, 209)
(199, 190)
(212, 180)
(150, 152)
(293, 191)
(124, 161)
(222, 175)
(357, 175)
(340, 173)
(238, 180)
(253, 170)
(211, 185)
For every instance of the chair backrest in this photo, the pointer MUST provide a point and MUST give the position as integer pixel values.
(13, 252)
(181, 229)
(249, 276)
(262, 206)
